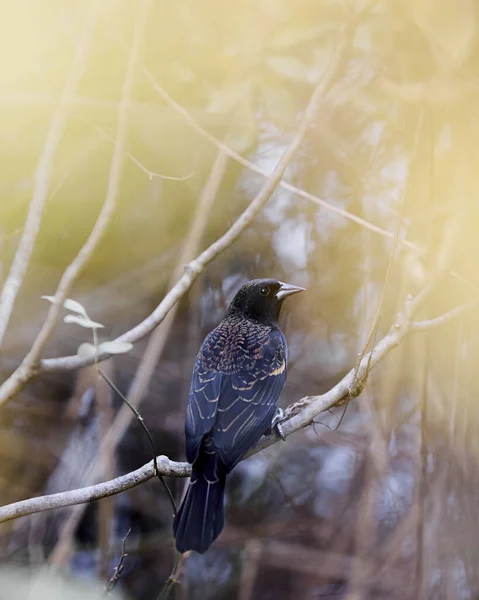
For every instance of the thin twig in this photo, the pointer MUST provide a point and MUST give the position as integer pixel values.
(106, 509)
(150, 174)
(173, 577)
(43, 176)
(371, 338)
(140, 419)
(119, 567)
(443, 319)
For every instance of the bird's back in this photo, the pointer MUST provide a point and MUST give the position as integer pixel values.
(239, 373)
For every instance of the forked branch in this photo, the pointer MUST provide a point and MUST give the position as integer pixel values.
(297, 416)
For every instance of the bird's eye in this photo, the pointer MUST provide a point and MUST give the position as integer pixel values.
(264, 291)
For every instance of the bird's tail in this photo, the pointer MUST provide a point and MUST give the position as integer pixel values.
(200, 518)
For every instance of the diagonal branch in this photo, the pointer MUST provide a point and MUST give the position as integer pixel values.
(63, 546)
(43, 176)
(443, 319)
(195, 267)
(94, 492)
(298, 415)
(29, 366)
(256, 169)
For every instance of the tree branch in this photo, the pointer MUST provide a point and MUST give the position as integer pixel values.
(63, 547)
(94, 492)
(297, 416)
(42, 177)
(443, 319)
(255, 169)
(195, 267)
(29, 366)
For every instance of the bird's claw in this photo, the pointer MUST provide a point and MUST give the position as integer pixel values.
(276, 423)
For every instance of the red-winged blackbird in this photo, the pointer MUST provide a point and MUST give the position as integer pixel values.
(238, 376)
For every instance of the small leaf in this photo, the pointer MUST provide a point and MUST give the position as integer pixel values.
(86, 350)
(82, 321)
(69, 304)
(115, 347)
(75, 306)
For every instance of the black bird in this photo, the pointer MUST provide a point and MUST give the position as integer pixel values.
(238, 376)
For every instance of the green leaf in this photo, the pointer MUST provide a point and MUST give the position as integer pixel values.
(82, 321)
(115, 347)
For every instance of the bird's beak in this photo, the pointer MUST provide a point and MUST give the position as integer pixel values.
(287, 289)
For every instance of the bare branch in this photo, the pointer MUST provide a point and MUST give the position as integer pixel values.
(298, 415)
(64, 544)
(43, 175)
(29, 365)
(304, 411)
(195, 267)
(443, 319)
(94, 492)
(371, 338)
(110, 586)
(150, 174)
(255, 169)
(96, 470)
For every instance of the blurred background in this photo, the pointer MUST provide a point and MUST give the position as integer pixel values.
(383, 506)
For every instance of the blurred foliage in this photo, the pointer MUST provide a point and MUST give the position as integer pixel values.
(385, 505)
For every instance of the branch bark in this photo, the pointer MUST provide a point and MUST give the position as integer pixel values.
(94, 492)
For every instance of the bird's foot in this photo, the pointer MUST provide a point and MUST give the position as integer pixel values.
(276, 423)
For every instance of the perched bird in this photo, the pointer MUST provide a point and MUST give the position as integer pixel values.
(238, 376)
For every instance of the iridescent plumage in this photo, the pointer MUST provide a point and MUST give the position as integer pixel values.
(237, 379)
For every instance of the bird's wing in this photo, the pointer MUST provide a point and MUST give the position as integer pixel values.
(248, 401)
(202, 406)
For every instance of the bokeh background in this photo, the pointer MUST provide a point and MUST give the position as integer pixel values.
(385, 505)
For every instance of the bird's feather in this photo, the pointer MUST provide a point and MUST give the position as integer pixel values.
(237, 379)
(234, 402)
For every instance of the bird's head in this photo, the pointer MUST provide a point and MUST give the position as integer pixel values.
(261, 299)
